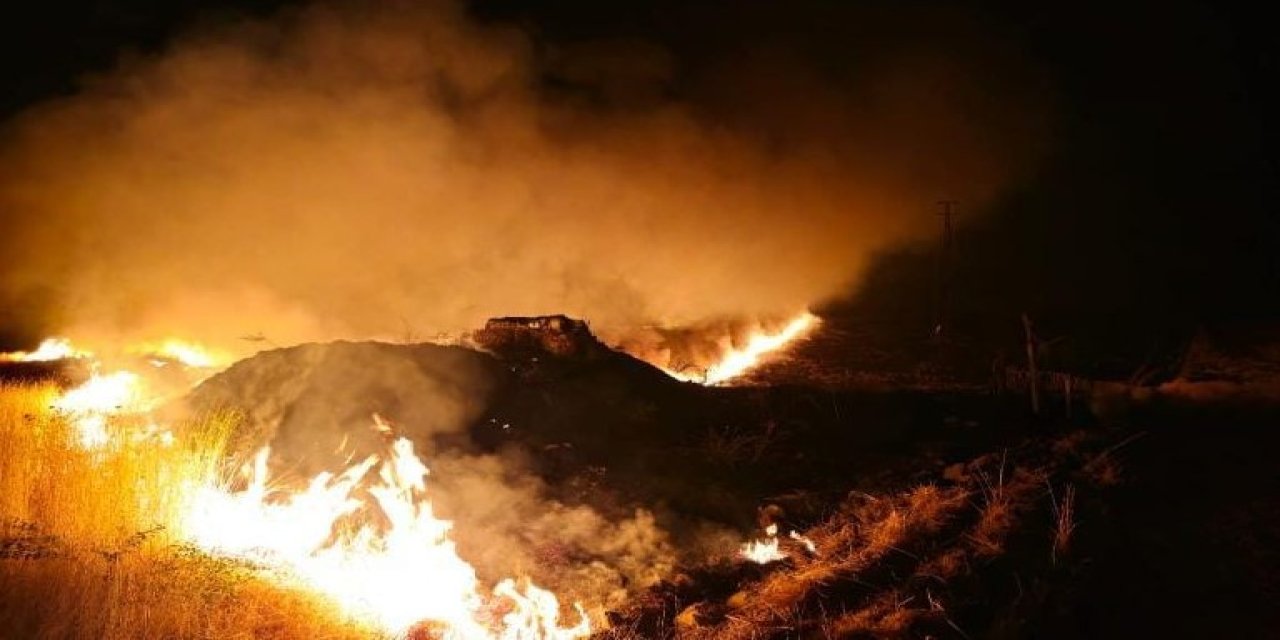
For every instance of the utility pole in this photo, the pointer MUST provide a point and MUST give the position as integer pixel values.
(946, 260)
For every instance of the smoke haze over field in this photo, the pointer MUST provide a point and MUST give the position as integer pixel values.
(353, 172)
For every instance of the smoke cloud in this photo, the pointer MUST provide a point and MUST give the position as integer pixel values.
(399, 171)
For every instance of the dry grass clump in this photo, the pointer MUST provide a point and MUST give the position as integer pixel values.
(867, 534)
(1064, 520)
(97, 497)
(155, 593)
(888, 616)
(1003, 500)
(90, 543)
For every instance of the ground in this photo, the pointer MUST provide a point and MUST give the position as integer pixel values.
(934, 510)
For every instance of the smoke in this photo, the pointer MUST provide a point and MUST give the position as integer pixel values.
(341, 171)
(312, 405)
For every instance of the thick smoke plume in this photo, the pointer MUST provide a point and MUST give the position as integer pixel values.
(400, 171)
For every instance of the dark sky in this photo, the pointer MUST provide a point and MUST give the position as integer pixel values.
(1156, 198)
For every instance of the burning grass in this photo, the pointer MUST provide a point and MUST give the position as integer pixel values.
(925, 560)
(90, 544)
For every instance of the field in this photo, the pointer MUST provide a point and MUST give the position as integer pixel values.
(901, 512)
(90, 543)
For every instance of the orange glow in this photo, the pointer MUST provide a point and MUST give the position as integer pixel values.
(396, 576)
(186, 353)
(89, 405)
(738, 361)
(365, 536)
(49, 350)
(766, 551)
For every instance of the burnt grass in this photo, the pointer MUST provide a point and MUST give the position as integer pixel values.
(933, 506)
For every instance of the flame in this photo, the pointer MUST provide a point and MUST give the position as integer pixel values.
(186, 353)
(806, 541)
(764, 552)
(91, 404)
(365, 536)
(738, 361)
(49, 349)
(769, 549)
(397, 576)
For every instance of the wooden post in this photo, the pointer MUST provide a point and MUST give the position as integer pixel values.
(1032, 371)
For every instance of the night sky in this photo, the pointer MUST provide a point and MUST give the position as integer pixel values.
(1153, 209)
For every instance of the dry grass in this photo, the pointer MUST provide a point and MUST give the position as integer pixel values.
(1004, 496)
(98, 498)
(867, 534)
(90, 540)
(1064, 522)
(931, 560)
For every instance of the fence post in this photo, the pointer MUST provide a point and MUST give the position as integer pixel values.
(1032, 371)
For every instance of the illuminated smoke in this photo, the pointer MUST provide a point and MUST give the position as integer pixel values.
(394, 172)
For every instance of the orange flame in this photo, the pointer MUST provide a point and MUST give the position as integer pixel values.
(184, 352)
(49, 349)
(402, 572)
(766, 551)
(738, 361)
(398, 576)
(91, 404)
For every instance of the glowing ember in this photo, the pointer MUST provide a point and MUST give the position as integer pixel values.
(764, 552)
(49, 350)
(398, 575)
(738, 361)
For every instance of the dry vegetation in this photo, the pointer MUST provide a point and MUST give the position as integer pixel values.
(915, 563)
(88, 544)
(89, 548)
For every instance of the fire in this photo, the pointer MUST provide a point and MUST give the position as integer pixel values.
(365, 536)
(738, 361)
(186, 353)
(764, 552)
(770, 549)
(91, 404)
(401, 574)
(50, 349)
(805, 541)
